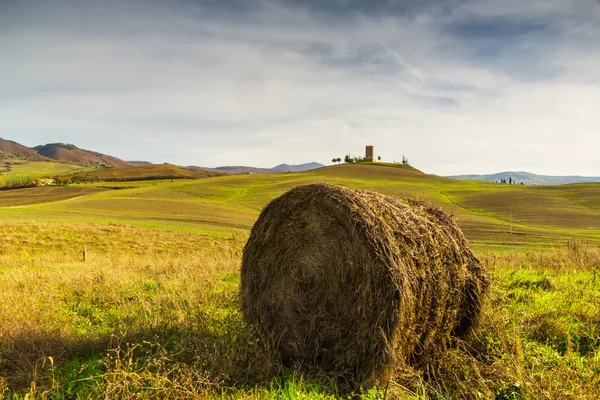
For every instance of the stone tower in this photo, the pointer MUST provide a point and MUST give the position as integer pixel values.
(369, 154)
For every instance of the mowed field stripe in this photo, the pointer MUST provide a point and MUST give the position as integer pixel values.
(540, 216)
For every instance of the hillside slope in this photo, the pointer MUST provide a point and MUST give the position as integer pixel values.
(493, 216)
(10, 149)
(155, 266)
(143, 172)
(30, 170)
(72, 154)
(541, 216)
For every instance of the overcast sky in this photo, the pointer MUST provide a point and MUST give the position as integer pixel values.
(456, 86)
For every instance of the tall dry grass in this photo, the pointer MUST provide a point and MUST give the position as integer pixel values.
(156, 315)
(149, 290)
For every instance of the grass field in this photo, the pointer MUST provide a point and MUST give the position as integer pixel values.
(542, 216)
(31, 170)
(154, 171)
(44, 194)
(153, 312)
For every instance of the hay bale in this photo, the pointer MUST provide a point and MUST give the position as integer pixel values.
(351, 283)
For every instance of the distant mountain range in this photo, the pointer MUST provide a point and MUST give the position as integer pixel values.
(61, 152)
(252, 170)
(71, 154)
(528, 178)
(297, 168)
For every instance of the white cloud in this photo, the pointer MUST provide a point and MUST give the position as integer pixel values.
(273, 84)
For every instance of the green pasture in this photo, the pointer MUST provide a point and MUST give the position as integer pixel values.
(31, 170)
(153, 312)
(493, 216)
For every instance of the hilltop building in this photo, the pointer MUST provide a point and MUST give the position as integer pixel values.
(369, 154)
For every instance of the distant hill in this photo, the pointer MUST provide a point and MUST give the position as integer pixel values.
(72, 154)
(144, 172)
(138, 163)
(232, 170)
(529, 179)
(10, 149)
(296, 168)
(243, 170)
(240, 169)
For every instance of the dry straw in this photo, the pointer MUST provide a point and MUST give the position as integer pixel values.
(354, 283)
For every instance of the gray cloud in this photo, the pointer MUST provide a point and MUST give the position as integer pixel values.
(458, 86)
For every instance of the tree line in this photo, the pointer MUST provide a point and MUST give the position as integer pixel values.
(348, 159)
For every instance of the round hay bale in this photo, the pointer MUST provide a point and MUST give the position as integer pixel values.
(349, 283)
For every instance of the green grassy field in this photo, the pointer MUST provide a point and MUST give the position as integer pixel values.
(542, 216)
(31, 170)
(153, 312)
(148, 172)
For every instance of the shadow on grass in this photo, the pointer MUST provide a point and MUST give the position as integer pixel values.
(207, 361)
(25, 359)
(199, 360)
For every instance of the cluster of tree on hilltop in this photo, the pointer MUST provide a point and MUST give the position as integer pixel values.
(348, 159)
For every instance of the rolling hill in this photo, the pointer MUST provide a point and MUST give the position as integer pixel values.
(540, 217)
(10, 149)
(30, 170)
(143, 172)
(152, 246)
(72, 154)
(240, 169)
(529, 179)
(297, 168)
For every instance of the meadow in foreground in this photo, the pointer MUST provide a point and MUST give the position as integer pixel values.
(155, 314)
